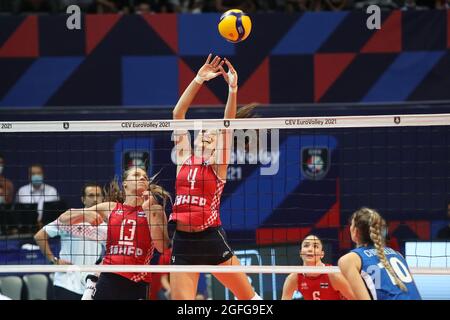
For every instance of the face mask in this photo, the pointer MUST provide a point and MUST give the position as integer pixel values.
(37, 179)
(1, 169)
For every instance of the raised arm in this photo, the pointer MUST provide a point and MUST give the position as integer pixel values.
(208, 71)
(225, 139)
(231, 78)
(94, 215)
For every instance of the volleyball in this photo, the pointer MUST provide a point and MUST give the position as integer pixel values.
(235, 25)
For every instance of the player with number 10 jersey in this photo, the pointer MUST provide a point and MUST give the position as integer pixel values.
(373, 270)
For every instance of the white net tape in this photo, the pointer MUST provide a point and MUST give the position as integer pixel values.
(188, 268)
(260, 123)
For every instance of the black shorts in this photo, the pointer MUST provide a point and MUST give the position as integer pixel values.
(209, 247)
(111, 286)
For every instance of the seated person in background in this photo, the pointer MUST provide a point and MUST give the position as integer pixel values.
(444, 233)
(75, 248)
(331, 286)
(6, 186)
(36, 191)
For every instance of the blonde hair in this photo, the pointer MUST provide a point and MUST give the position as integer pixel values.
(372, 228)
(114, 192)
(246, 111)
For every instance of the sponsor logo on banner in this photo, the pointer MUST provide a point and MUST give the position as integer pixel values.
(397, 120)
(315, 162)
(226, 123)
(66, 125)
(136, 158)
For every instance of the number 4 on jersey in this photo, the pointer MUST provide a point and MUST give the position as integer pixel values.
(191, 176)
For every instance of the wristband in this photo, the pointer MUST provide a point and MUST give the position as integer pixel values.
(231, 89)
(199, 80)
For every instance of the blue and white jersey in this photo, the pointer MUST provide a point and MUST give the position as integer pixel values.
(379, 282)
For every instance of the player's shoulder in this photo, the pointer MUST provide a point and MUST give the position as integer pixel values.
(292, 277)
(349, 258)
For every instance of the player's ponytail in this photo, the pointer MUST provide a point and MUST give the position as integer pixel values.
(113, 192)
(247, 111)
(160, 195)
(372, 228)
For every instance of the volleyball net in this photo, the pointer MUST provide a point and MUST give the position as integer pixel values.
(287, 178)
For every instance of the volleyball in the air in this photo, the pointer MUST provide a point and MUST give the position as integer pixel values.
(235, 25)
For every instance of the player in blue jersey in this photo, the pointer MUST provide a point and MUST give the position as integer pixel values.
(373, 270)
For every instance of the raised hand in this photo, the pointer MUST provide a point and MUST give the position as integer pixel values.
(231, 77)
(209, 70)
(148, 200)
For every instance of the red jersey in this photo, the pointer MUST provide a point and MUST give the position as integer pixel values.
(129, 240)
(198, 192)
(317, 288)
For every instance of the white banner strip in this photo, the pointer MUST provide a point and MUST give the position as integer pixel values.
(253, 123)
(188, 268)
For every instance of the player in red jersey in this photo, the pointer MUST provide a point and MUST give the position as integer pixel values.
(136, 225)
(332, 286)
(201, 175)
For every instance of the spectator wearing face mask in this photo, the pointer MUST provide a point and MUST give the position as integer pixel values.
(6, 186)
(37, 191)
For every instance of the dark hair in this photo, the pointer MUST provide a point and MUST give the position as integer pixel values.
(90, 184)
(313, 235)
(1, 156)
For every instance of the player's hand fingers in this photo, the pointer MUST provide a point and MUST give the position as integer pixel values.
(230, 66)
(216, 61)
(209, 58)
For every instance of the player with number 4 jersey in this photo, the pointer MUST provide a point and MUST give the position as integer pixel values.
(199, 238)
(373, 270)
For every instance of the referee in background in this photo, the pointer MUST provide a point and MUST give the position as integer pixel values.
(74, 249)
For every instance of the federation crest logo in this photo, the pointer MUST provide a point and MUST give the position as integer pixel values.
(226, 123)
(397, 120)
(136, 158)
(315, 163)
(66, 125)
